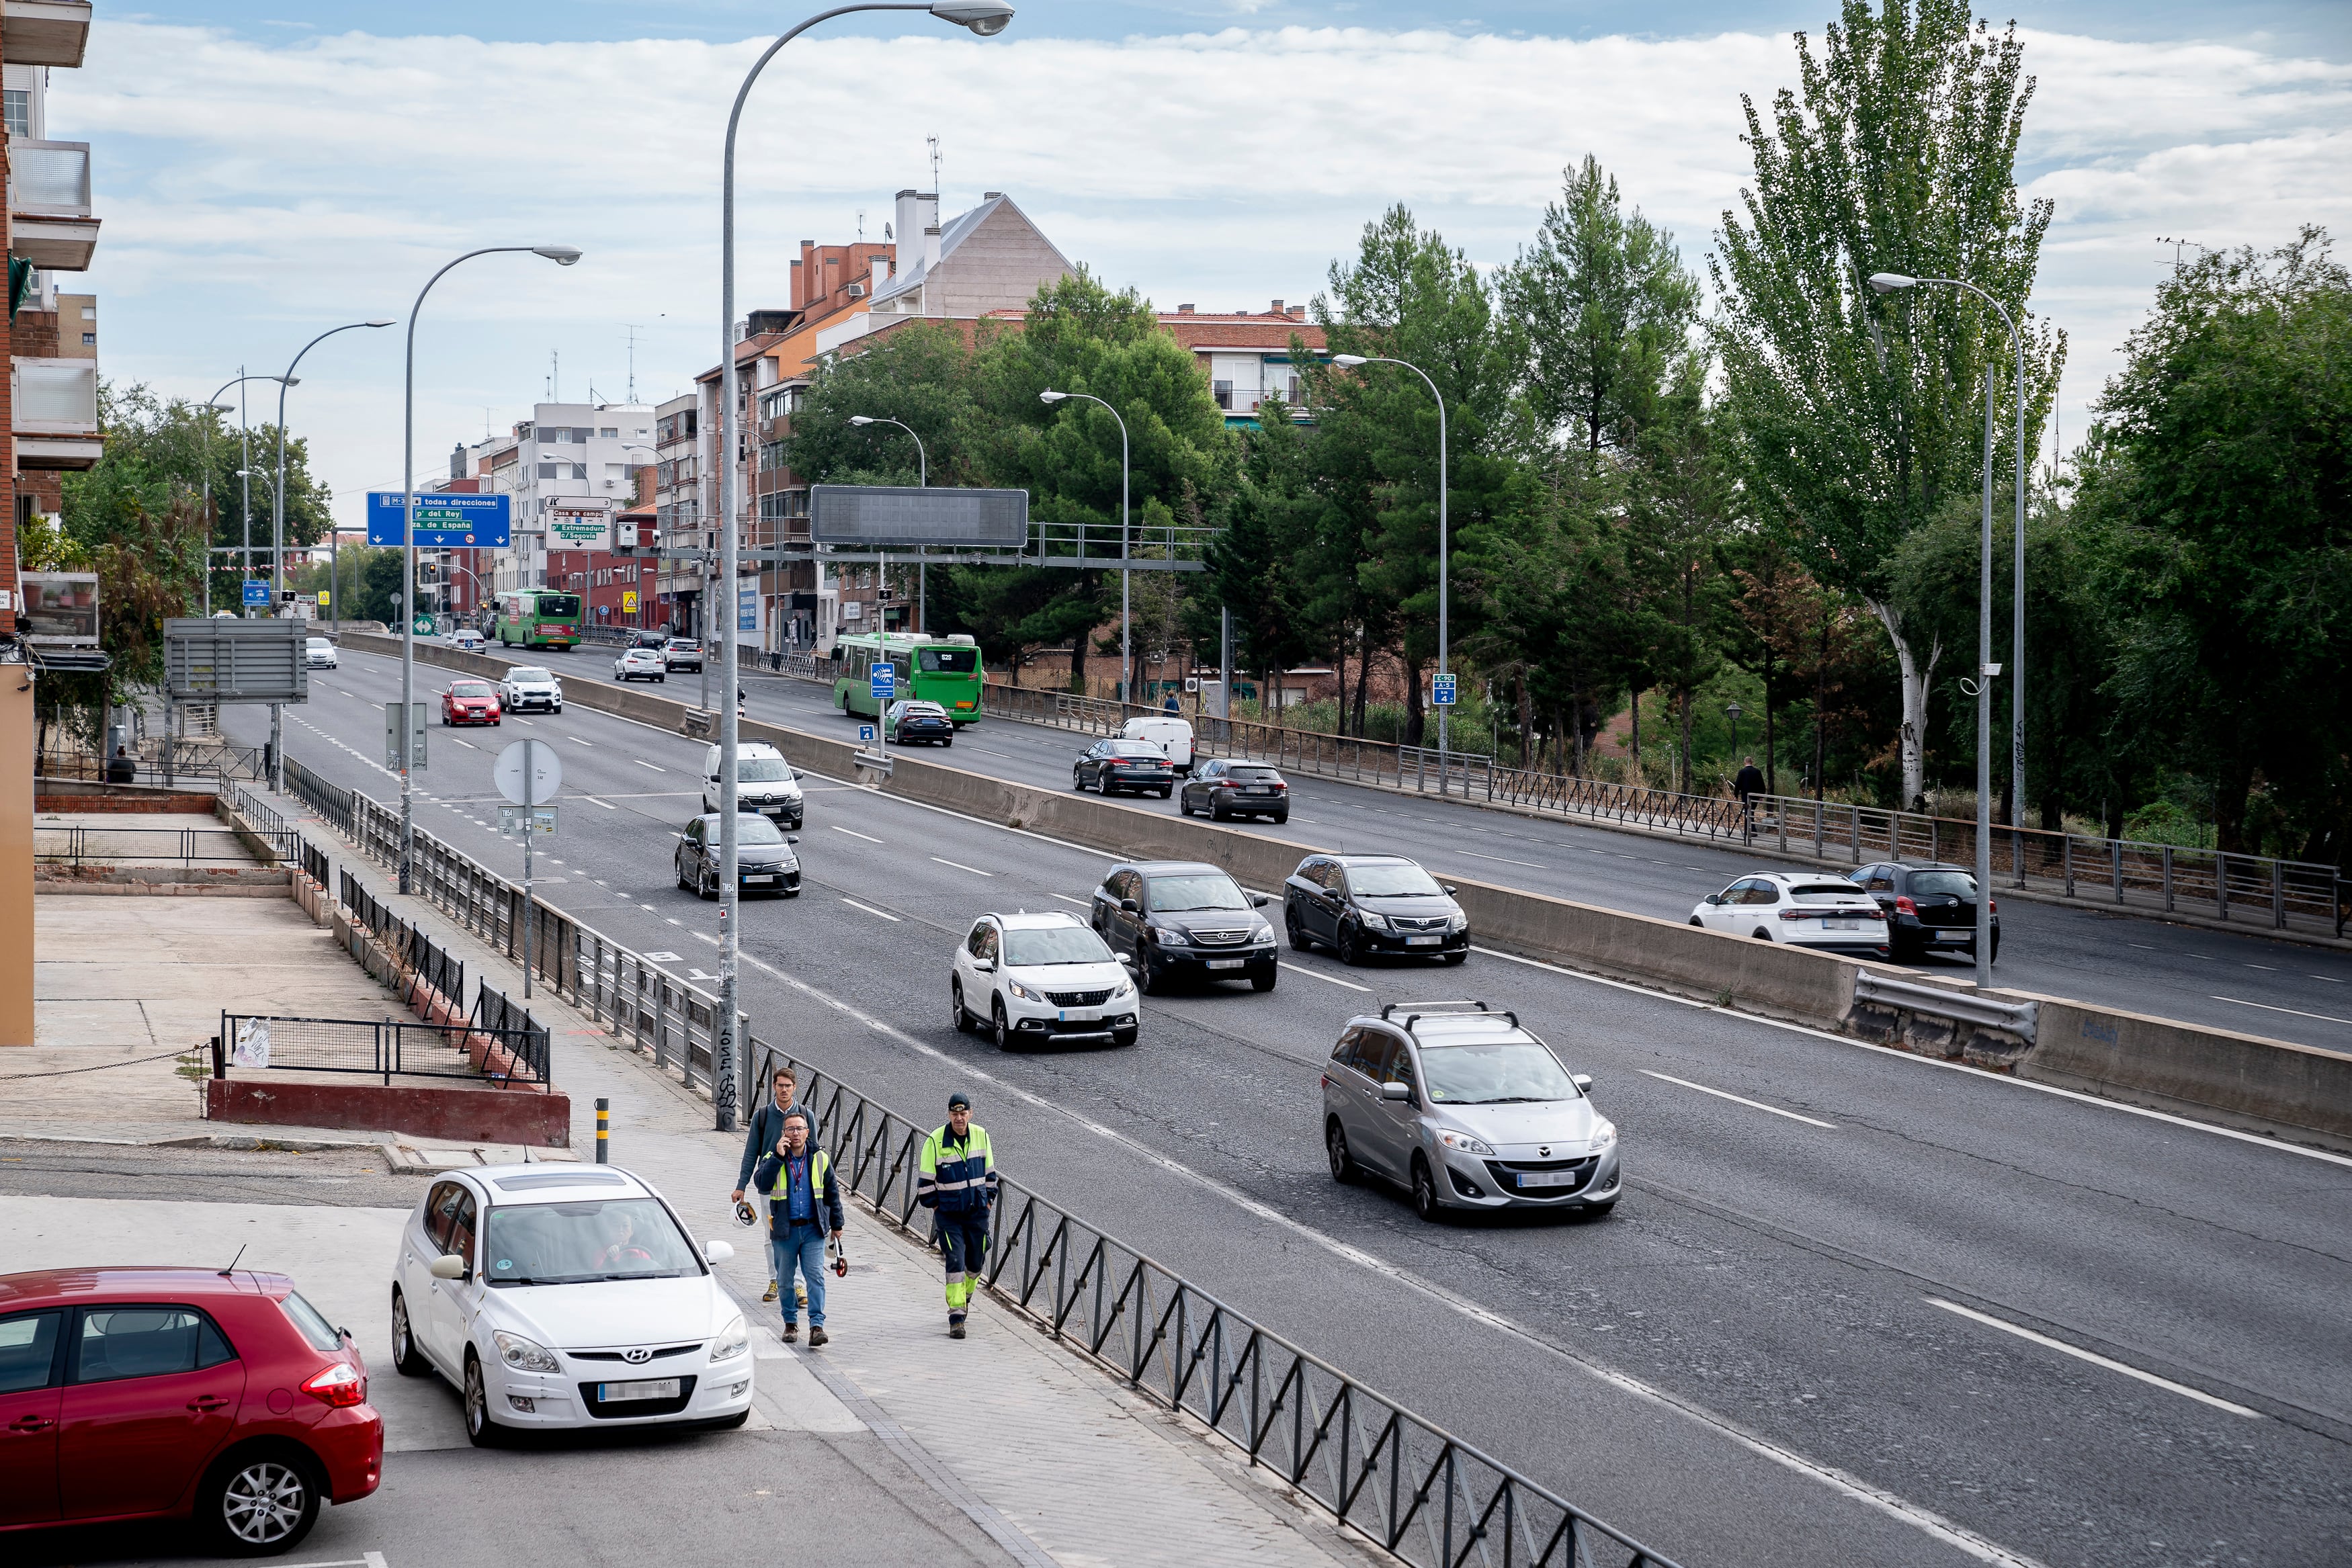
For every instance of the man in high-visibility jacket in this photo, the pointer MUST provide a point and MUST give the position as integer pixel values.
(957, 1182)
(804, 1204)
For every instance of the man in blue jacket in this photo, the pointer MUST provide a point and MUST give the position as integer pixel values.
(766, 1131)
(803, 1206)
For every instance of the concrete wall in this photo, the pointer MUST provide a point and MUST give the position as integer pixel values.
(456, 1116)
(15, 848)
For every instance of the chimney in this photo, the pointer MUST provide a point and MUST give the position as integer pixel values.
(907, 224)
(881, 267)
(1278, 308)
(1183, 310)
(992, 195)
(457, 462)
(1298, 312)
(800, 286)
(931, 241)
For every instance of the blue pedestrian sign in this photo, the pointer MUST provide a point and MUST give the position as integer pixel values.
(256, 595)
(1441, 690)
(886, 682)
(444, 521)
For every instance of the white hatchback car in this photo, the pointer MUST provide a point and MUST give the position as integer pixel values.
(1029, 978)
(318, 653)
(641, 665)
(567, 1296)
(1805, 909)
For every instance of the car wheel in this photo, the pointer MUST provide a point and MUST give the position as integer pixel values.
(1350, 953)
(1280, 818)
(1166, 790)
(1299, 941)
(557, 710)
(406, 1359)
(1125, 1037)
(1002, 1029)
(1600, 1210)
(1424, 1190)
(948, 741)
(1761, 935)
(1263, 982)
(1217, 809)
(1078, 781)
(1151, 981)
(956, 1013)
(1184, 804)
(1344, 1169)
(1695, 921)
(482, 1431)
(260, 1502)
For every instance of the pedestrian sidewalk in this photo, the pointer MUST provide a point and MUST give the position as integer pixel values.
(1039, 1448)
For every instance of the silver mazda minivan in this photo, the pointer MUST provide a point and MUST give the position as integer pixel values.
(1462, 1107)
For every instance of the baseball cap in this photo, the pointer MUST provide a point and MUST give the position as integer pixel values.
(958, 1098)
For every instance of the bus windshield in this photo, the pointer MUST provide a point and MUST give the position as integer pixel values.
(559, 606)
(948, 661)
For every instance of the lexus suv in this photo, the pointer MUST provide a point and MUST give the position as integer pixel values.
(1367, 906)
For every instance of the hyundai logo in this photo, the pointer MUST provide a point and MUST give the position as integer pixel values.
(1543, 1151)
(637, 1357)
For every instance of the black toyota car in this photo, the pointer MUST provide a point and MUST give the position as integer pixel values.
(1360, 906)
(1929, 908)
(1184, 920)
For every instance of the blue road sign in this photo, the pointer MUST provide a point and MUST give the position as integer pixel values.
(886, 682)
(443, 521)
(1441, 691)
(256, 594)
(865, 735)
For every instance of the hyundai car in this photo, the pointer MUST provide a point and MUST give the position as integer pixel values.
(1185, 920)
(1803, 909)
(765, 860)
(1361, 906)
(558, 1296)
(1465, 1108)
(470, 702)
(531, 686)
(1033, 979)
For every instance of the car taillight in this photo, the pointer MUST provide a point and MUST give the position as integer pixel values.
(339, 1384)
(1905, 907)
(1794, 914)
(1874, 913)
(1993, 905)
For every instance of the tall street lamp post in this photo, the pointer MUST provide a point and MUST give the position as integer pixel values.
(562, 256)
(1888, 283)
(215, 404)
(985, 17)
(1126, 544)
(1351, 361)
(922, 481)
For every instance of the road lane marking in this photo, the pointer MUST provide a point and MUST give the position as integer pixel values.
(1504, 860)
(871, 910)
(467, 744)
(2329, 978)
(643, 763)
(2272, 968)
(575, 739)
(2094, 1358)
(2324, 1018)
(593, 801)
(958, 864)
(1318, 974)
(853, 833)
(1066, 898)
(1741, 1099)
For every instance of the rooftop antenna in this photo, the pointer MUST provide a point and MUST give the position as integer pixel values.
(861, 225)
(2178, 245)
(554, 376)
(232, 1262)
(634, 328)
(933, 142)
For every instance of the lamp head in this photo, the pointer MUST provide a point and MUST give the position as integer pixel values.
(985, 17)
(562, 255)
(379, 323)
(1349, 361)
(859, 419)
(1049, 395)
(1888, 282)
(222, 407)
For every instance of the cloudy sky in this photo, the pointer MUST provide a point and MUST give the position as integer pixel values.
(266, 170)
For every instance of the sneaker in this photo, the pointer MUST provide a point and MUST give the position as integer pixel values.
(800, 1292)
(817, 1336)
(772, 1291)
(792, 1333)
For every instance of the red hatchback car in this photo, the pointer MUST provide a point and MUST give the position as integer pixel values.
(470, 702)
(179, 1392)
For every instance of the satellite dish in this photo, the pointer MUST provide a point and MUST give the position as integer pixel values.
(886, 232)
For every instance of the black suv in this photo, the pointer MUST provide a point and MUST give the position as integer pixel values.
(1929, 908)
(1363, 905)
(1184, 919)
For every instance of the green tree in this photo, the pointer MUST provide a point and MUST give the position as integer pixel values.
(919, 375)
(1859, 415)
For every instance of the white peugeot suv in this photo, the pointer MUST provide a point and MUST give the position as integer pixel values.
(567, 1296)
(1028, 978)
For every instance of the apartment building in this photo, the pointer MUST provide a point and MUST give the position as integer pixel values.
(1246, 356)
(570, 469)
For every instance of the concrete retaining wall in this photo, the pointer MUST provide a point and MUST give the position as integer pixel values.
(456, 1116)
(2237, 1080)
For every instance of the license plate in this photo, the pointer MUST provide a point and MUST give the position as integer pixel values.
(1955, 936)
(1549, 1178)
(1226, 963)
(1422, 941)
(650, 1388)
(759, 879)
(1843, 925)
(1255, 790)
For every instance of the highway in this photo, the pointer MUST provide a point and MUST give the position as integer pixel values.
(1856, 1306)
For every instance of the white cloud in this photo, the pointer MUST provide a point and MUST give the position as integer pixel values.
(253, 193)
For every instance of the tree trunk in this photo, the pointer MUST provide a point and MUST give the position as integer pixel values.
(1683, 704)
(1575, 736)
(1916, 681)
(1340, 716)
(1820, 705)
(1414, 715)
(1637, 732)
(1078, 660)
(1528, 756)
(1771, 762)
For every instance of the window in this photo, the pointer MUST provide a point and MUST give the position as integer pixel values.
(29, 1341)
(1344, 1054)
(89, 339)
(1224, 392)
(312, 1323)
(612, 433)
(1501, 1073)
(572, 1243)
(144, 1341)
(1395, 879)
(461, 1228)
(554, 436)
(1373, 1053)
(441, 1208)
(19, 111)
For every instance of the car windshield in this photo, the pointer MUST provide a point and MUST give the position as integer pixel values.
(469, 689)
(573, 1243)
(762, 770)
(559, 606)
(1944, 884)
(525, 676)
(1825, 893)
(948, 661)
(1137, 748)
(320, 643)
(1398, 879)
(750, 829)
(1203, 890)
(1055, 944)
(1503, 1074)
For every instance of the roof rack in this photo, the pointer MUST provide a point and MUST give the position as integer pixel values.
(1441, 1009)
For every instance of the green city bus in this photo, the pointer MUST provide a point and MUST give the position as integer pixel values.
(536, 618)
(942, 670)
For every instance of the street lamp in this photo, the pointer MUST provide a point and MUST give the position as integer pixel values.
(562, 256)
(214, 404)
(1888, 283)
(1126, 549)
(987, 18)
(1351, 361)
(1733, 710)
(923, 480)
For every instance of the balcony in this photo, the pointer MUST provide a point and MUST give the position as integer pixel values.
(48, 201)
(55, 404)
(46, 32)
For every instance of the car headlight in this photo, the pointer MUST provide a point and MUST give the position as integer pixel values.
(1126, 988)
(1460, 922)
(1264, 933)
(1462, 1142)
(523, 1354)
(1373, 922)
(732, 1341)
(1604, 1137)
(1171, 935)
(1023, 992)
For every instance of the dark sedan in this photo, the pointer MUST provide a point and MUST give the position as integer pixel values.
(1362, 905)
(912, 720)
(1183, 919)
(1110, 767)
(1224, 788)
(764, 861)
(1929, 908)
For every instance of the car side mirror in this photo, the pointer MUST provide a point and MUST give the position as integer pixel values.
(1395, 1091)
(716, 1252)
(1128, 959)
(1131, 906)
(798, 775)
(1259, 901)
(448, 1266)
(984, 965)
(1583, 1082)
(1714, 898)
(1446, 888)
(792, 838)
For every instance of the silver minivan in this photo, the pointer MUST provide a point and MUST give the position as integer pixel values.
(1467, 1109)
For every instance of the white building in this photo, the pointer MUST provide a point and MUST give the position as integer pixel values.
(568, 458)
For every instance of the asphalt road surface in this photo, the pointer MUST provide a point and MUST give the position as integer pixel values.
(1856, 1306)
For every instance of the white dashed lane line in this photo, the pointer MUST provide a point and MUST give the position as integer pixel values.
(1737, 1099)
(2092, 1357)
(2292, 1012)
(838, 828)
(871, 910)
(961, 866)
(1318, 974)
(643, 763)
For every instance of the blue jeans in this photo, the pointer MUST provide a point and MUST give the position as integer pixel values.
(801, 1245)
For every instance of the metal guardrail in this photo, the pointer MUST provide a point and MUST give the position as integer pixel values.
(386, 1049)
(80, 845)
(1399, 1479)
(2019, 1018)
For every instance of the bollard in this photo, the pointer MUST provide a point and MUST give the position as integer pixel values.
(603, 1131)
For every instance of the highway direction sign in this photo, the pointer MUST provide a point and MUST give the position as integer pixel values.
(443, 521)
(1441, 691)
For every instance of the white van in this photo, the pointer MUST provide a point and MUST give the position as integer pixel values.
(1168, 732)
(765, 782)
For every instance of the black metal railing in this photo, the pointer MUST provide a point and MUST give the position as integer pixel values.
(386, 1048)
(106, 845)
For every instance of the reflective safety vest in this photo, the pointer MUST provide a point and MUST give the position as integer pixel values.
(953, 1182)
(779, 1196)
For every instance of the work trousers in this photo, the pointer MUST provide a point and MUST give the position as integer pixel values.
(963, 1238)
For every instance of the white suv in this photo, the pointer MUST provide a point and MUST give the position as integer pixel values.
(1035, 977)
(764, 783)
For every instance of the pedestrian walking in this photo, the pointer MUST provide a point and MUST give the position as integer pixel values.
(957, 1182)
(1747, 785)
(767, 1129)
(804, 1208)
